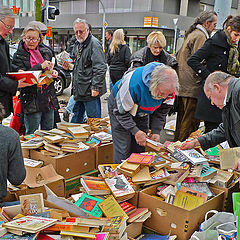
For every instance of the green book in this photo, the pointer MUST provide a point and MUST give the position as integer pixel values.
(236, 210)
(89, 204)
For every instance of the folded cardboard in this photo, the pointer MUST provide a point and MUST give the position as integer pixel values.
(69, 165)
(36, 178)
(166, 217)
(26, 152)
(104, 154)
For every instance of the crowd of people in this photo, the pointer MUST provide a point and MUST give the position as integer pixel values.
(144, 86)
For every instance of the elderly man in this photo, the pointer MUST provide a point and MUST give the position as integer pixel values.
(133, 98)
(88, 73)
(195, 37)
(11, 159)
(223, 90)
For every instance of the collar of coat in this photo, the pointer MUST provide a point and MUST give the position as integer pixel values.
(86, 41)
(203, 29)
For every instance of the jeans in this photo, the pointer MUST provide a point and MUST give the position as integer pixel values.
(70, 104)
(33, 120)
(92, 108)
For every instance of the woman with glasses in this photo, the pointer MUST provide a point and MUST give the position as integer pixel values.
(37, 102)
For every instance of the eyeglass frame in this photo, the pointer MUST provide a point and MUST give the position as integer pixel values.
(31, 39)
(8, 27)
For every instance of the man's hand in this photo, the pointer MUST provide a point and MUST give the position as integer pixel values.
(189, 145)
(22, 83)
(95, 93)
(155, 137)
(66, 65)
(237, 166)
(140, 137)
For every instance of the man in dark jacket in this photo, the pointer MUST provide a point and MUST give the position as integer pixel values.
(88, 73)
(11, 159)
(223, 90)
(8, 86)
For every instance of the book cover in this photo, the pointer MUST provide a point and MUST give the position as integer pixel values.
(10, 236)
(117, 225)
(119, 186)
(141, 158)
(138, 213)
(30, 224)
(32, 204)
(33, 143)
(32, 163)
(89, 204)
(207, 173)
(78, 131)
(102, 236)
(102, 136)
(127, 207)
(176, 176)
(187, 201)
(111, 208)
(130, 166)
(194, 156)
(89, 221)
(108, 170)
(79, 234)
(229, 157)
(142, 176)
(194, 192)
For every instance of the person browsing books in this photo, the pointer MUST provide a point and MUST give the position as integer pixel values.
(223, 90)
(37, 102)
(8, 86)
(139, 93)
(11, 159)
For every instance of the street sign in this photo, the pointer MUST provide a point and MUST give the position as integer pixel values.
(105, 24)
(49, 33)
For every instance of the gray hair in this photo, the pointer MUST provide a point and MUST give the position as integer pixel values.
(32, 27)
(217, 77)
(41, 25)
(79, 20)
(163, 74)
(6, 12)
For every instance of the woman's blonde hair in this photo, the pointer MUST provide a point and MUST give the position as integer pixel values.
(156, 37)
(118, 38)
(32, 27)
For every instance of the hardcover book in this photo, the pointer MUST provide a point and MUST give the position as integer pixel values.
(127, 207)
(89, 204)
(138, 213)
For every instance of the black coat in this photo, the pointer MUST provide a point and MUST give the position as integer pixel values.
(214, 53)
(119, 62)
(8, 86)
(32, 99)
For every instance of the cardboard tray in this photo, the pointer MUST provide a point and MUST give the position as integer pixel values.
(104, 154)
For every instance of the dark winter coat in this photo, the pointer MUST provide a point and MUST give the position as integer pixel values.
(32, 99)
(8, 86)
(119, 62)
(215, 52)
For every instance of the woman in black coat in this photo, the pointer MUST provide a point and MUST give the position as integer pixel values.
(118, 57)
(219, 53)
(37, 102)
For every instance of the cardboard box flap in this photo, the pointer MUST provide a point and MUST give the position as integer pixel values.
(37, 177)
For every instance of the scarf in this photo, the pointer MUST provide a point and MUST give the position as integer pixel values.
(35, 56)
(233, 62)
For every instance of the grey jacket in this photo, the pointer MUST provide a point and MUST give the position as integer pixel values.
(89, 69)
(229, 129)
(11, 160)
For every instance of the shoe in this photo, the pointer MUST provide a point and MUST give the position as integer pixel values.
(66, 116)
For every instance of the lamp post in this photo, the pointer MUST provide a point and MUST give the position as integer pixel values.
(103, 27)
(175, 20)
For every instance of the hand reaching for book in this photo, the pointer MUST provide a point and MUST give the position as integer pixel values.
(22, 83)
(237, 166)
(47, 65)
(190, 145)
(54, 74)
(155, 137)
(140, 137)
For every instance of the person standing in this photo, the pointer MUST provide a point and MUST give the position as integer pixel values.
(88, 74)
(118, 57)
(220, 53)
(108, 36)
(195, 37)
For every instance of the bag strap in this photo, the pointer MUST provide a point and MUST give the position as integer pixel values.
(210, 211)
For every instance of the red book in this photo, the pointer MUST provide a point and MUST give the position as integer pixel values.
(140, 158)
(127, 207)
(137, 214)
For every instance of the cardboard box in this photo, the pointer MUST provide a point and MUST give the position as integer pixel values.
(26, 152)
(134, 229)
(227, 201)
(69, 165)
(37, 177)
(104, 154)
(166, 217)
(73, 185)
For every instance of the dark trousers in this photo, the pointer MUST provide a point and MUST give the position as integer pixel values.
(124, 142)
(209, 126)
(186, 122)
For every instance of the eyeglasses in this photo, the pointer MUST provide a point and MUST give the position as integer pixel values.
(7, 26)
(28, 39)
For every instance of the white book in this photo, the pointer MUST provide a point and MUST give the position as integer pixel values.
(194, 156)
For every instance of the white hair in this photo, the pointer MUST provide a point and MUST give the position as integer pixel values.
(79, 20)
(6, 12)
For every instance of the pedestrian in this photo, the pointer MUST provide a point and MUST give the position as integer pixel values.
(118, 57)
(195, 37)
(37, 102)
(222, 89)
(8, 86)
(108, 36)
(11, 158)
(219, 53)
(88, 74)
(132, 99)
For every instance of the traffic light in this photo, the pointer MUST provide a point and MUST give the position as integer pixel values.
(52, 11)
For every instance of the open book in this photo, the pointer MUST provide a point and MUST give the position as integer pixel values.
(32, 77)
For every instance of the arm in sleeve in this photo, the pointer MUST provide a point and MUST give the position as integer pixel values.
(127, 60)
(99, 66)
(195, 61)
(171, 60)
(213, 138)
(8, 85)
(16, 169)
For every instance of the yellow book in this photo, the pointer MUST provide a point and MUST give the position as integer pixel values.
(111, 208)
(187, 200)
(142, 176)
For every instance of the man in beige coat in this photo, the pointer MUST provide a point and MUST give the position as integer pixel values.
(190, 84)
